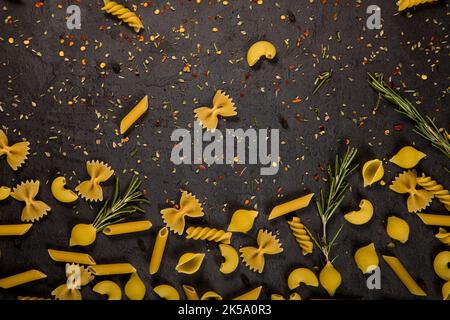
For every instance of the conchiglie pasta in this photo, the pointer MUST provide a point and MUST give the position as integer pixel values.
(366, 258)
(189, 263)
(372, 172)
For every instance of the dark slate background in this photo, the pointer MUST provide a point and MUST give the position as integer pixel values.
(88, 129)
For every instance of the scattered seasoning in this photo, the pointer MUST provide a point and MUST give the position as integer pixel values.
(320, 80)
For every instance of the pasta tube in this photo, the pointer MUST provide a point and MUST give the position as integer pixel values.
(250, 295)
(290, 206)
(21, 278)
(435, 219)
(127, 227)
(134, 115)
(71, 257)
(158, 250)
(14, 229)
(404, 276)
(110, 269)
(190, 292)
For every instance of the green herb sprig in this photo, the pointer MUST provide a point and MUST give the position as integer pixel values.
(329, 202)
(424, 126)
(320, 80)
(121, 206)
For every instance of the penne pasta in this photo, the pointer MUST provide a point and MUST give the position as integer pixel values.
(71, 257)
(290, 206)
(21, 278)
(404, 276)
(110, 269)
(250, 295)
(190, 292)
(14, 229)
(134, 115)
(158, 250)
(435, 219)
(127, 227)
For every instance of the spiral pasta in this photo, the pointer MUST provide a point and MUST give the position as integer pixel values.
(405, 4)
(436, 189)
(301, 235)
(210, 234)
(124, 14)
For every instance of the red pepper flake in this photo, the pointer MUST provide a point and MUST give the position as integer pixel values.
(296, 100)
(316, 177)
(334, 17)
(126, 139)
(241, 94)
(322, 167)
(38, 4)
(206, 73)
(398, 127)
(246, 202)
(306, 33)
(202, 167)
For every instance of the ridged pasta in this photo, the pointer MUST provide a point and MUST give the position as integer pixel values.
(210, 234)
(301, 235)
(31, 298)
(34, 209)
(436, 189)
(124, 14)
(406, 182)
(15, 154)
(91, 189)
(189, 263)
(405, 4)
(223, 106)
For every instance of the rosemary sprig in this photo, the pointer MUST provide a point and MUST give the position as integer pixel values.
(320, 80)
(329, 202)
(424, 126)
(121, 206)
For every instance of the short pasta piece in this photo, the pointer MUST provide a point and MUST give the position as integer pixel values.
(109, 288)
(443, 236)
(231, 258)
(190, 292)
(127, 227)
(110, 269)
(63, 292)
(91, 189)
(167, 292)
(372, 172)
(404, 276)
(361, 216)
(408, 157)
(14, 229)
(158, 250)
(290, 206)
(189, 263)
(223, 106)
(397, 229)
(124, 14)
(405, 4)
(250, 295)
(135, 288)
(60, 192)
(77, 276)
(406, 182)
(301, 235)
(134, 115)
(436, 189)
(21, 278)
(366, 258)
(441, 265)
(293, 296)
(446, 291)
(253, 257)
(330, 278)
(210, 234)
(211, 295)
(242, 220)
(5, 192)
(34, 209)
(15, 154)
(31, 298)
(71, 257)
(302, 275)
(189, 207)
(435, 219)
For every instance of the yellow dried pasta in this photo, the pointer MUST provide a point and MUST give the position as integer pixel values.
(441, 265)
(34, 209)
(231, 258)
(223, 106)
(14, 229)
(127, 227)
(210, 234)
(167, 292)
(111, 269)
(291, 206)
(135, 288)
(301, 235)
(372, 172)
(242, 220)
(109, 288)
(134, 115)
(189, 207)
(408, 157)
(77, 276)
(253, 257)
(21, 278)
(250, 295)
(435, 219)
(302, 275)
(91, 189)
(158, 250)
(436, 189)
(5, 192)
(70, 257)
(404, 276)
(15, 154)
(124, 14)
(443, 236)
(366, 258)
(406, 182)
(405, 4)
(397, 229)
(190, 263)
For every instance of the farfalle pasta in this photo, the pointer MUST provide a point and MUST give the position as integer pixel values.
(253, 257)
(223, 106)
(15, 154)
(91, 189)
(301, 235)
(405, 4)
(436, 189)
(210, 234)
(123, 13)
(34, 209)
(406, 182)
(189, 263)
(189, 207)
(77, 276)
